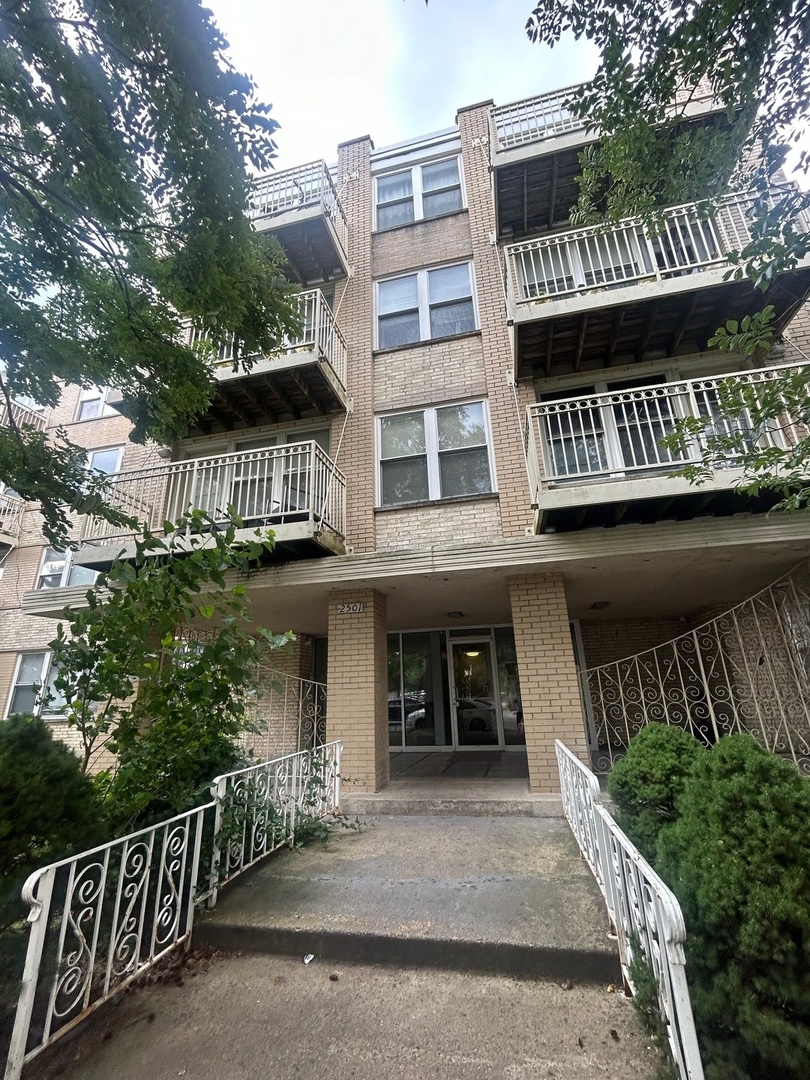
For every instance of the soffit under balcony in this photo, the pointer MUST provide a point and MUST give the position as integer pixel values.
(652, 329)
(314, 252)
(283, 390)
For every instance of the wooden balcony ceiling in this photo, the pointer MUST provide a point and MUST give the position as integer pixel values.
(680, 507)
(536, 195)
(311, 246)
(282, 396)
(652, 330)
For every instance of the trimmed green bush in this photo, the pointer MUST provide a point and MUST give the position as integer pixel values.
(646, 783)
(738, 858)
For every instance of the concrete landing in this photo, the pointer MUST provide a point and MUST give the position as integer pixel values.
(506, 896)
(454, 798)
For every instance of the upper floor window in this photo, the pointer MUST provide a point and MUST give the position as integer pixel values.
(32, 690)
(434, 453)
(105, 461)
(93, 403)
(428, 304)
(58, 570)
(423, 191)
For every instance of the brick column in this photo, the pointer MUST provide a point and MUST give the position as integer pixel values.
(357, 703)
(549, 688)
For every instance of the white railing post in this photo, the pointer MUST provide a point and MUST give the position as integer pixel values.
(218, 791)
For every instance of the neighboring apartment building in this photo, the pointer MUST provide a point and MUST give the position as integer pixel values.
(460, 454)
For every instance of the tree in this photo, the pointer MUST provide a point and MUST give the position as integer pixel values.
(159, 664)
(754, 58)
(125, 132)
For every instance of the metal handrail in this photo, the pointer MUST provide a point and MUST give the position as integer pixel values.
(294, 189)
(19, 415)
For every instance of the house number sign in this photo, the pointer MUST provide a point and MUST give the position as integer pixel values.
(350, 609)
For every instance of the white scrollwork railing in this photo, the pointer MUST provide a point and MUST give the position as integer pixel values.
(259, 808)
(288, 715)
(102, 918)
(294, 189)
(274, 486)
(319, 332)
(747, 670)
(618, 434)
(578, 261)
(643, 910)
(11, 514)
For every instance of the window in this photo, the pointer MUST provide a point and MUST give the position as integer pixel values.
(58, 570)
(424, 191)
(425, 305)
(434, 454)
(93, 404)
(105, 461)
(33, 682)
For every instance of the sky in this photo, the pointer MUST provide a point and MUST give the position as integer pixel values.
(392, 69)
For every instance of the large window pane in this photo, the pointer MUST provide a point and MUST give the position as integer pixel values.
(405, 480)
(394, 695)
(464, 472)
(105, 461)
(393, 187)
(398, 294)
(403, 435)
(449, 283)
(461, 425)
(53, 568)
(509, 686)
(442, 202)
(425, 696)
(441, 174)
(398, 330)
(398, 213)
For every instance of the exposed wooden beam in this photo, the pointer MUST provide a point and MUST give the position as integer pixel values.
(583, 330)
(618, 319)
(305, 390)
(286, 402)
(684, 315)
(648, 329)
(617, 512)
(549, 347)
(258, 405)
(552, 198)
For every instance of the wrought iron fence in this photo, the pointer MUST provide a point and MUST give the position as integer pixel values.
(643, 910)
(100, 919)
(288, 714)
(618, 434)
(746, 670)
(689, 240)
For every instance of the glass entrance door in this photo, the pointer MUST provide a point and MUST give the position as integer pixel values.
(475, 707)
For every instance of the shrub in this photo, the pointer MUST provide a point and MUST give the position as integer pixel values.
(738, 858)
(646, 783)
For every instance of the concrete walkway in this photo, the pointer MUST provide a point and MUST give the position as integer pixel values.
(449, 948)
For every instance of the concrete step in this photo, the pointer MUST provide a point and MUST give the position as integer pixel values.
(497, 895)
(454, 799)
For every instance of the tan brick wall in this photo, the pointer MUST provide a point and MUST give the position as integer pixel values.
(283, 712)
(355, 319)
(607, 642)
(507, 404)
(423, 243)
(357, 707)
(421, 526)
(797, 338)
(549, 687)
(429, 374)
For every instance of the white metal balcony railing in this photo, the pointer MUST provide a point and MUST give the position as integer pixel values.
(617, 435)
(274, 486)
(319, 332)
(293, 189)
(643, 910)
(548, 115)
(22, 415)
(582, 260)
(11, 514)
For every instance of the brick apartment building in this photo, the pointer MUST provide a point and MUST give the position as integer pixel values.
(460, 454)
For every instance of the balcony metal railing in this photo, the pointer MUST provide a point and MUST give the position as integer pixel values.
(293, 189)
(21, 415)
(319, 332)
(11, 515)
(583, 260)
(548, 115)
(274, 486)
(618, 434)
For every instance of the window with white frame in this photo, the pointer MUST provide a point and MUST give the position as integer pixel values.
(59, 570)
(93, 403)
(435, 453)
(32, 690)
(106, 461)
(422, 191)
(426, 305)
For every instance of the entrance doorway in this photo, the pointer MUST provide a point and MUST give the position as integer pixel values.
(454, 690)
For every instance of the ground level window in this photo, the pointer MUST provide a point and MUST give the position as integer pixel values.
(33, 691)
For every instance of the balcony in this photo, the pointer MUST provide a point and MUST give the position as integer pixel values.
(584, 298)
(597, 460)
(306, 379)
(302, 209)
(18, 415)
(295, 489)
(11, 515)
(535, 147)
